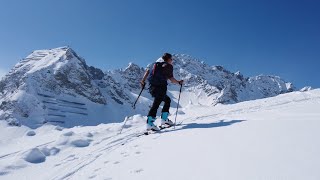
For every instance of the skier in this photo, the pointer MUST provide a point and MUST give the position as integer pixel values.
(162, 70)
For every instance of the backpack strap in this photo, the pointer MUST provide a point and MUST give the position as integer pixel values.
(154, 68)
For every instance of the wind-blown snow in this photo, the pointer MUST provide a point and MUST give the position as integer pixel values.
(272, 138)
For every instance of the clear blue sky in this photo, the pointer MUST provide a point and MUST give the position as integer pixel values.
(256, 37)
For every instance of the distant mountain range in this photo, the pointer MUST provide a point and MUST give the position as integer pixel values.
(57, 86)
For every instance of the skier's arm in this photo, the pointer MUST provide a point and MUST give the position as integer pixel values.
(168, 71)
(173, 80)
(146, 74)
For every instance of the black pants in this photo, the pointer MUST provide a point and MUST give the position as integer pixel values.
(160, 94)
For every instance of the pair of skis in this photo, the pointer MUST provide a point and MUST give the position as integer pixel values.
(148, 132)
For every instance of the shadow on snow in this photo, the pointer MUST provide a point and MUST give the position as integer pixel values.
(221, 123)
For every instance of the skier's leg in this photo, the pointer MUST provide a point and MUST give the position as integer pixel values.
(165, 122)
(159, 94)
(156, 103)
(152, 115)
(167, 102)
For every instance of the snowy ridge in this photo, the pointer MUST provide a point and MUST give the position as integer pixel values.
(57, 86)
(222, 86)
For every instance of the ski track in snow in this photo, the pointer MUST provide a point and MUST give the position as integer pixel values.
(94, 155)
(104, 150)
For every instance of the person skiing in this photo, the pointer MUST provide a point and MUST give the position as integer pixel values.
(162, 70)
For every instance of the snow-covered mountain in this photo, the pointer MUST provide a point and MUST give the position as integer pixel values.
(223, 86)
(57, 86)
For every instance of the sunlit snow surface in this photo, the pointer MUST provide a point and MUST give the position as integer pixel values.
(273, 138)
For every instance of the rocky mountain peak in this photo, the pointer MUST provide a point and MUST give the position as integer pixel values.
(132, 67)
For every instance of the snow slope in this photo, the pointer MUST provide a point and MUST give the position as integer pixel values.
(273, 138)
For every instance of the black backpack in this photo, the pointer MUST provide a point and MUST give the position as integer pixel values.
(156, 76)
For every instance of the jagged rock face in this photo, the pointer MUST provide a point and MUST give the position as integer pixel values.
(38, 85)
(114, 89)
(55, 72)
(95, 73)
(118, 84)
(224, 86)
(76, 76)
(132, 74)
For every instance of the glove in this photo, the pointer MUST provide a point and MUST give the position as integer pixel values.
(180, 82)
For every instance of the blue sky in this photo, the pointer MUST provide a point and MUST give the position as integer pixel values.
(256, 37)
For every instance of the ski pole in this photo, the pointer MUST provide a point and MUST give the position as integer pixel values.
(177, 107)
(134, 105)
(124, 124)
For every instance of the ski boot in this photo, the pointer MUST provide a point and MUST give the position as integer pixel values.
(165, 122)
(150, 124)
